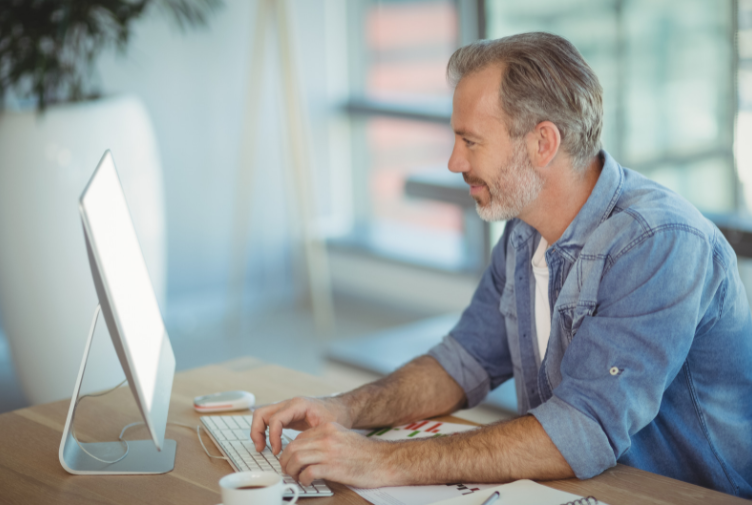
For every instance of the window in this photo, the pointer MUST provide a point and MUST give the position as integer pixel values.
(400, 106)
(744, 121)
(667, 70)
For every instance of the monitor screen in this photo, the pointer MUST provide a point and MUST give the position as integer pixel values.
(126, 295)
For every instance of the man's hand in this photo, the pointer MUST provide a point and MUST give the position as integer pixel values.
(298, 414)
(330, 451)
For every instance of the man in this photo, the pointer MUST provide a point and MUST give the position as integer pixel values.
(615, 305)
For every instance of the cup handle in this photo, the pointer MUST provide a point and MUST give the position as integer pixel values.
(295, 492)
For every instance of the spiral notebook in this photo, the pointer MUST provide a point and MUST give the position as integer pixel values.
(522, 492)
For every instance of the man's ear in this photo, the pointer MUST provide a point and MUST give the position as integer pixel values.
(543, 143)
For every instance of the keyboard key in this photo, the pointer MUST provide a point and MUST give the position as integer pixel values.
(229, 434)
(242, 434)
(241, 422)
(230, 422)
(219, 422)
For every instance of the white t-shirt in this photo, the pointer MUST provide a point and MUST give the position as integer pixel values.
(542, 310)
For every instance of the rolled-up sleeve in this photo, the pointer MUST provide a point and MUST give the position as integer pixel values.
(628, 351)
(463, 368)
(579, 438)
(476, 352)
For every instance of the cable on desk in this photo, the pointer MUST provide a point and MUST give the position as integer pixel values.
(198, 433)
(120, 438)
(127, 426)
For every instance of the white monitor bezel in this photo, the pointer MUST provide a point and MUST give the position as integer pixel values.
(155, 417)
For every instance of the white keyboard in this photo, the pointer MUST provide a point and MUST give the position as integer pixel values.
(232, 435)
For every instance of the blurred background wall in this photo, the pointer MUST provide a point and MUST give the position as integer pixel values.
(194, 84)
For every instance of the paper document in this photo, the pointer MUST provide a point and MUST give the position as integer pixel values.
(522, 492)
(419, 495)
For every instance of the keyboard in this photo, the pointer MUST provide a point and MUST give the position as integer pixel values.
(232, 435)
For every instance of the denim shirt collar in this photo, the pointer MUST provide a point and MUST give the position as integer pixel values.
(597, 208)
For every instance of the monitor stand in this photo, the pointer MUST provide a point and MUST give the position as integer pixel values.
(143, 456)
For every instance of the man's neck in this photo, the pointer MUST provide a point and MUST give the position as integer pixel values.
(563, 195)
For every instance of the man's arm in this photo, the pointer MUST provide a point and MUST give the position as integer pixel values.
(498, 453)
(327, 449)
(420, 389)
(417, 390)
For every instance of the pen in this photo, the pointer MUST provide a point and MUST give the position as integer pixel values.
(492, 498)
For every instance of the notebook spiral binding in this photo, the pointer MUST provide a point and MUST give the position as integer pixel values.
(588, 500)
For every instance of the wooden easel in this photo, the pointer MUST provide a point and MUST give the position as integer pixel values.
(319, 281)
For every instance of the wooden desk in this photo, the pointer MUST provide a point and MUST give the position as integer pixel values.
(31, 473)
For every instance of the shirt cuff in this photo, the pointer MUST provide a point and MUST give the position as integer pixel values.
(463, 368)
(580, 439)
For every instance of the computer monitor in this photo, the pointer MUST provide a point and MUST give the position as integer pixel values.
(131, 311)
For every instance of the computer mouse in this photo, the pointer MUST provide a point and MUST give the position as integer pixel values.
(223, 402)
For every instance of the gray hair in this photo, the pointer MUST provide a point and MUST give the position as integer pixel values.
(546, 79)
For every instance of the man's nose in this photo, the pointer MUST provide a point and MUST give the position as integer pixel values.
(458, 162)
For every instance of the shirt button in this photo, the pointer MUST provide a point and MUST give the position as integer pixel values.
(614, 371)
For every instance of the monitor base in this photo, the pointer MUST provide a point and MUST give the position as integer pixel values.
(143, 458)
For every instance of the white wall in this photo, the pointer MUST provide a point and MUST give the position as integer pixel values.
(194, 85)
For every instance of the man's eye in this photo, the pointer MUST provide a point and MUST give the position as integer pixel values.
(469, 143)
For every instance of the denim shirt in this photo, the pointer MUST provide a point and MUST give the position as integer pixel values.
(649, 361)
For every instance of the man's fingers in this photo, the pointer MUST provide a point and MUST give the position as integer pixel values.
(299, 460)
(275, 435)
(280, 419)
(313, 472)
(258, 425)
(297, 413)
(258, 430)
(299, 444)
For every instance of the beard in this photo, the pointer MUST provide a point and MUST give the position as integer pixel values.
(516, 185)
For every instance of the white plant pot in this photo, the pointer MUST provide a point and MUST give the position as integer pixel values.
(47, 295)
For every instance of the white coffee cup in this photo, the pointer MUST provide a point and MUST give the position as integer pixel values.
(261, 488)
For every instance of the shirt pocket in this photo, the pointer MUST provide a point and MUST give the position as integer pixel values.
(571, 317)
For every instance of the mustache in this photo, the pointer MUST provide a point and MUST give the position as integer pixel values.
(473, 181)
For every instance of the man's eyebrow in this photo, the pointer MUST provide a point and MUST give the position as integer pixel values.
(465, 133)
(458, 131)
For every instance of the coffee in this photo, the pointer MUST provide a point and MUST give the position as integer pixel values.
(255, 487)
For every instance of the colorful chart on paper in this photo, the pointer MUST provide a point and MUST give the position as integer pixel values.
(419, 429)
(418, 495)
